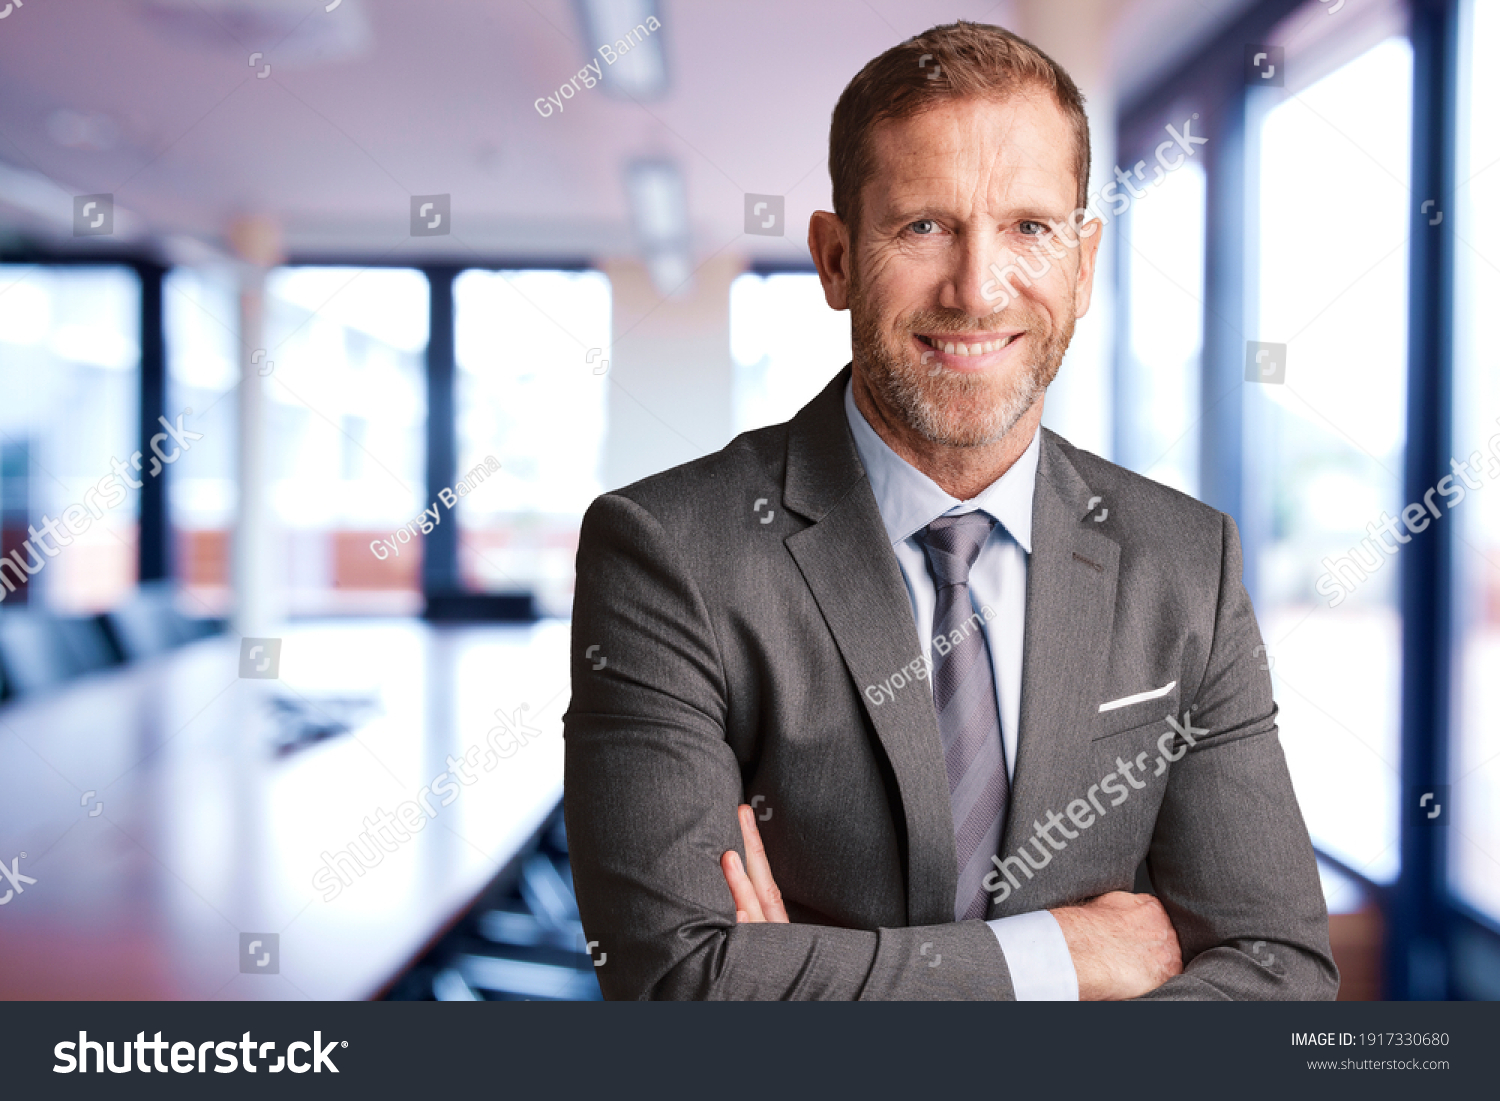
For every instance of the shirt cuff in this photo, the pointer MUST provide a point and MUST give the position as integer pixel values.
(1035, 950)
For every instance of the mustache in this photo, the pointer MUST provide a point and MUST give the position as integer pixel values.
(944, 324)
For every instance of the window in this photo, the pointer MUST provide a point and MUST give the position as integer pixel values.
(786, 345)
(346, 409)
(69, 428)
(532, 350)
(1163, 272)
(1324, 437)
(1474, 834)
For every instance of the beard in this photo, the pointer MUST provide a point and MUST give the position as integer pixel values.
(946, 407)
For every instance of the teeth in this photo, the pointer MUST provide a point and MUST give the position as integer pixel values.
(954, 349)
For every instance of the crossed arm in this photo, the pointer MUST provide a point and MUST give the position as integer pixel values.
(1123, 945)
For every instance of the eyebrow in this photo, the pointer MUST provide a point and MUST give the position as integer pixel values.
(902, 216)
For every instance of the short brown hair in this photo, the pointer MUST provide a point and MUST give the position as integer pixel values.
(953, 61)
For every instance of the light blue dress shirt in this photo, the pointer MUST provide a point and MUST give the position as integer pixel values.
(1041, 968)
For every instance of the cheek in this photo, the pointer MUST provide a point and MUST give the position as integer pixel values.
(1058, 290)
(880, 272)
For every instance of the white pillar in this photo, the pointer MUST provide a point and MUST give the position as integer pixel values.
(257, 596)
(671, 388)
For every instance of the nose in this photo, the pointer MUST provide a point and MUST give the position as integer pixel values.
(972, 286)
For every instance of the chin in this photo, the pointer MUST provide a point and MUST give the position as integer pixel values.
(958, 410)
(972, 416)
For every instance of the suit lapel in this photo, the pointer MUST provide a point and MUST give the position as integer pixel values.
(846, 559)
(1070, 610)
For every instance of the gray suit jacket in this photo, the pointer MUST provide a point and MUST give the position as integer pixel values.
(743, 603)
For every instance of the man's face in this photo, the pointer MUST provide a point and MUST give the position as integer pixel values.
(964, 191)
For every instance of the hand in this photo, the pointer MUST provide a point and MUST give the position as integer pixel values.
(756, 897)
(1123, 945)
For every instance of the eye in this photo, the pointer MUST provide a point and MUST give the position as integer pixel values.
(1034, 229)
(923, 227)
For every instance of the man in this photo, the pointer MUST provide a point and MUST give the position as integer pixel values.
(902, 694)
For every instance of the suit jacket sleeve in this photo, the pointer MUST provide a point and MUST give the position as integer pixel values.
(651, 785)
(1230, 857)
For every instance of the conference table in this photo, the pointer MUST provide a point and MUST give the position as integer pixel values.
(173, 849)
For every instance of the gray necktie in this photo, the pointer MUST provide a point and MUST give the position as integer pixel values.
(963, 688)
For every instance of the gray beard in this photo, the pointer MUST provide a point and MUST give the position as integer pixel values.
(948, 408)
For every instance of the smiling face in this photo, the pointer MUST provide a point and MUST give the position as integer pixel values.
(965, 277)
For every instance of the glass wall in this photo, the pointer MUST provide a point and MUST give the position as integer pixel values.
(1474, 833)
(69, 429)
(346, 409)
(1162, 252)
(532, 351)
(1324, 434)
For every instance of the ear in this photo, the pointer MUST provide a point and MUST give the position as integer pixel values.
(828, 241)
(1088, 256)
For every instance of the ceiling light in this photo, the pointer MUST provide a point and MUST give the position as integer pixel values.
(639, 69)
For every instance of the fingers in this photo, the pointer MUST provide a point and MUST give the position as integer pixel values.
(759, 868)
(746, 905)
(1123, 945)
(1161, 937)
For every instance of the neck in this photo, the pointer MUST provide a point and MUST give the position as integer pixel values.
(961, 472)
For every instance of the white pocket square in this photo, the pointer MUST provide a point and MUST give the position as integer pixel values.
(1139, 697)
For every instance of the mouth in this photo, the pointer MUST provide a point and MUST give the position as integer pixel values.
(964, 351)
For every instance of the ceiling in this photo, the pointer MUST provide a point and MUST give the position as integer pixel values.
(159, 103)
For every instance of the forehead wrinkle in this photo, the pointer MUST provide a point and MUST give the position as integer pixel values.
(1024, 163)
(1006, 172)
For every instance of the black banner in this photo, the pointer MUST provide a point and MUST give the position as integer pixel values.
(770, 1051)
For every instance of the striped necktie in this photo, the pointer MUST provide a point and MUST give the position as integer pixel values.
(963, 690)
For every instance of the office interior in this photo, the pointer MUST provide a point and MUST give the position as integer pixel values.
(321, 324)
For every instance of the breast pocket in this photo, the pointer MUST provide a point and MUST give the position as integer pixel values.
(1121, 714)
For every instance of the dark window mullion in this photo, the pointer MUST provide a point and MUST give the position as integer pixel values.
(1417, 945)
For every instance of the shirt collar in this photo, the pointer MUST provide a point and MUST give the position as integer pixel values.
(909, 500)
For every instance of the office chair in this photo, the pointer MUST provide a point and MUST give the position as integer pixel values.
(149, 623)
(39, 651)
(523, 940)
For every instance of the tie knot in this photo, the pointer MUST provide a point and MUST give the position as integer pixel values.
(952, 543)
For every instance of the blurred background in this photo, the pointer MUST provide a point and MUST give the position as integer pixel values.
(278, 276)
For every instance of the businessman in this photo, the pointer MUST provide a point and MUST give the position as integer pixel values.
(908, 697)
